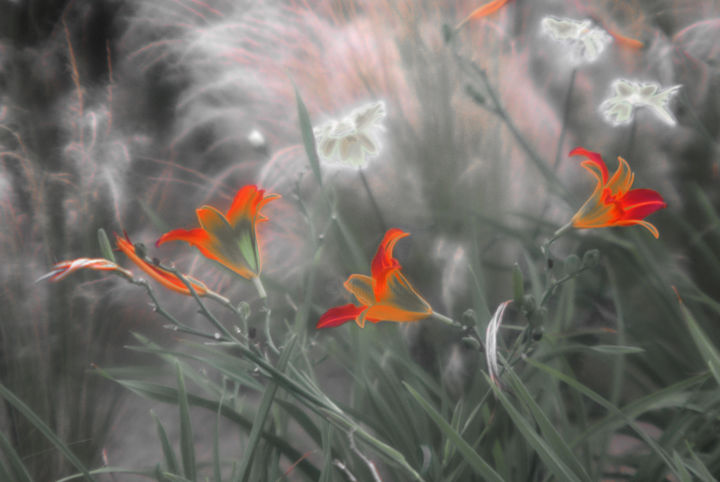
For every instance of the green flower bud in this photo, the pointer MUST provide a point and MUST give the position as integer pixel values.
(591, 258)
(572, 264)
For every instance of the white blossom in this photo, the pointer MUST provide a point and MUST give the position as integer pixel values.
(585, 42)
(354, 138)
(627, 95)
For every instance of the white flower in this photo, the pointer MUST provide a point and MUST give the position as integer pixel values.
(354, 138)
(619, 109)
(585, 42)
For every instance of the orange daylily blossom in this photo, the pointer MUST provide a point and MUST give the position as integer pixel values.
(230, 239)
(63, 268)
(386, 296)
(613, 203)
(166, 278)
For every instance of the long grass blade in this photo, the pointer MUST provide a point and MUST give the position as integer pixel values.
(187, 444)
(168, 453)
(262, 414)
(29, 414)
(479, 465)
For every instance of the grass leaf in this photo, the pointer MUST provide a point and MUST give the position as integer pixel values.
(473, 458)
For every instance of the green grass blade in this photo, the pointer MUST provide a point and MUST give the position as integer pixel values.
(707, 350)
(327, 454)
(187, 446)
(684, 475)
(216, 440)
(105, 247)
(552, 436)
(698, 467)
(168, 452)
(616, 349)
(543, 448)
(473, 458)
(28, 413)
(308, 136)
(262, 414)
(148, 474)
(17, 467)
(573, 383)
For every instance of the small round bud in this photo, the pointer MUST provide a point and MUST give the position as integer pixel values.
(529, 305)
(468, 318)
(243, 309)
(591, 258)
(472, 343)
(572, 264)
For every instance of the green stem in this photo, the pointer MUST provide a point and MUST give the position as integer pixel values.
(445, 319)
(259, 287)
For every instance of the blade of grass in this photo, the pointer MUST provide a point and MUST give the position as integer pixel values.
(262, 414)
(187, 445)
(552, 436)
(473, 458)
(576, 385)
(308, 136)
(170, 459)
(542, 448)
(216, 439)
(698, 467)
(30, 415)
(708, 352)
(17, 467)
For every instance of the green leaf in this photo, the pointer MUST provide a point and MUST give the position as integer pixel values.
(544, 449)
(187, 447)
(105, 247)
(473, 458)
(17, 467)
(617, 349)
(262, 414)
(576, 385)
(308, 136)
(28, 413)
(168, 452)
(552, 436)
(707, 350)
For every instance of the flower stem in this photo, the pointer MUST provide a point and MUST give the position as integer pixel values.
(373, 202)
(445, 319)
(259, 287)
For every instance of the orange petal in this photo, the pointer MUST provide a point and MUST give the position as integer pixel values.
(400, 294)
(594, 160)
(242, 203)
(362, 287)
(339, 315)
(383, 263)
(162, 276)
(485, 10)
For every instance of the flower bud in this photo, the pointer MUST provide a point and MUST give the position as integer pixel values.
(591, 258)
(572, 264)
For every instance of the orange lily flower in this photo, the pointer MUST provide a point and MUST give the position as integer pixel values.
(386, 296)
(158, 273)
(613, 203)
(64, 268)
(230, 239)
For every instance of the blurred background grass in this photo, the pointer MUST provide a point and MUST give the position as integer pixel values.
(129, 115)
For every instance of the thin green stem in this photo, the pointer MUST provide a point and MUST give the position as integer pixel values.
(203, 308)
(444, 319)
(373, 202)
(259, 287)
